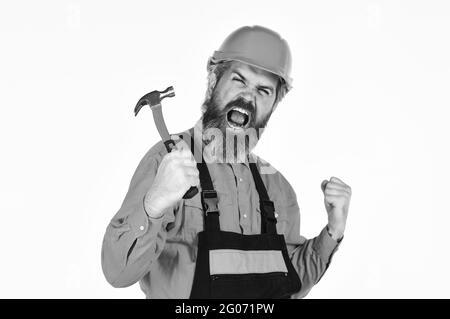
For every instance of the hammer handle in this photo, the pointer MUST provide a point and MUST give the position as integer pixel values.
(191, 192)
(170, 145)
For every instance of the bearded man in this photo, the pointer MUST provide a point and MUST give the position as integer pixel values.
(239, 236)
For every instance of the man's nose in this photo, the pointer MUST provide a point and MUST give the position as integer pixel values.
(249, 97)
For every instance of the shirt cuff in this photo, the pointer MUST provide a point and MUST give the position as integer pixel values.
(325, 246)
(141, 223)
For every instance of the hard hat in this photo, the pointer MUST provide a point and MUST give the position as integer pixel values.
(259, 47)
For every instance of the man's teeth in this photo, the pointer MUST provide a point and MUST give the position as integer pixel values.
(241, 110)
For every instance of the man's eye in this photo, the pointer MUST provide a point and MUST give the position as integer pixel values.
(264, 91)
(238, 79)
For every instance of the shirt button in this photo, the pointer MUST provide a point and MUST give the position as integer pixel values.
(276, 215)
(141, 228)
(240, 179)
(245, 215)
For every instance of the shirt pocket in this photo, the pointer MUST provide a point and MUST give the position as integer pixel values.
(282, 217)
(193, 210)
(225, 196)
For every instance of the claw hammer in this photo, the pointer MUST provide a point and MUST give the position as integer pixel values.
(153, 99)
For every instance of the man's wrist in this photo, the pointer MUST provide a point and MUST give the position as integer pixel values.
(335, 233)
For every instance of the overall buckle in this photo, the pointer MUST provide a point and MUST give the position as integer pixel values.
(210, 202)
(269, 209)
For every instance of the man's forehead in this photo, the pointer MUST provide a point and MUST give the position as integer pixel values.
(248, 70)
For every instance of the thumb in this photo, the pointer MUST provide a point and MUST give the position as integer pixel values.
(323, 185)
(180, 144)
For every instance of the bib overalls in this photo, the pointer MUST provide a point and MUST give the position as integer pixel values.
(233, 265)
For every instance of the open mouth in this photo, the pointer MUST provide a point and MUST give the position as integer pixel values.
(238, 118)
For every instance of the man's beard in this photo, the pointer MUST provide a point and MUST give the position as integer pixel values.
(226, 144)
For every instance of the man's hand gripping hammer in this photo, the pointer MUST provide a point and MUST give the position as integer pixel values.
(153, 99)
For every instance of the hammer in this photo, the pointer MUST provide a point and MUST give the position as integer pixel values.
(153, 99)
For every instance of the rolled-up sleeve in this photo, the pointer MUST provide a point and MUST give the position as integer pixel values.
(133, 240)
(310, 257)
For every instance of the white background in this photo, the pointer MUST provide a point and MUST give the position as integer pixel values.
(369, 105)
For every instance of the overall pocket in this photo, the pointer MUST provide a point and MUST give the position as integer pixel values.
(250, 286)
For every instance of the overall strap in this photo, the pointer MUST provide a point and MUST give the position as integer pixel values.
(209, 199)
(208, 195)
(268, 220)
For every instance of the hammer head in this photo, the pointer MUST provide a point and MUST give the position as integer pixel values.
(153, 98)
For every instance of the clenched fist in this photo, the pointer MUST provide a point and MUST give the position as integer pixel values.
(337, 196)
(176, 174)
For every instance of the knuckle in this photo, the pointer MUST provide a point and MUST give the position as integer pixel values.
(174, 154)
(173, 160)
(169, 155)
(184, 151)
(181, 142)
